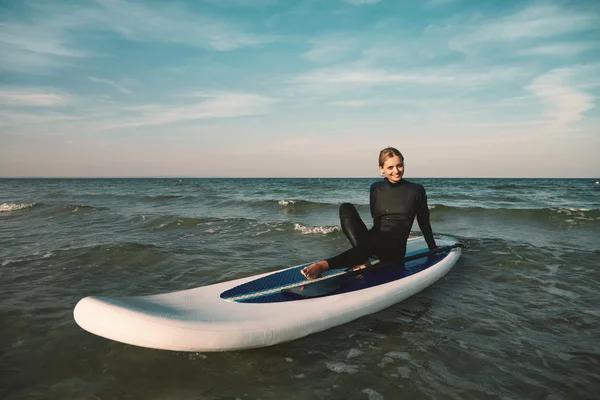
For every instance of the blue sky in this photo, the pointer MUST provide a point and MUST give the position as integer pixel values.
(273, 88)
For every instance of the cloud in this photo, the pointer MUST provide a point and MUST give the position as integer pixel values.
(214, 105)
(16, 119)
(440, 3)
(174, 23)
(368, 76)
(242, 3)
(362, 2)
(114, 84)
(532, 22)
(564, 103)
(354, 103)
(428, 77)
(370, 102)
(559, 49)
(329, 49)
(33, 98)
(46, 36)
(36, 45)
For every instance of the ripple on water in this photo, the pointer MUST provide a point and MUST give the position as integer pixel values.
(354, 353)
(372, 394)
(341, 368)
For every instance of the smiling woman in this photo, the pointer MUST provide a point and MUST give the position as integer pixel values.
(394, 205)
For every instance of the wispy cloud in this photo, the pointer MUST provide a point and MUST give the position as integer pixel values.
(355, 103)
(33, 98)
(565, 103)
(114, 84)
(329, 49)
(35, 45)
(174, 23)
(366, 76)
(47, 36)
(215, 105)
(12, 119)
(440, 3)
(242, 3)
(362, 2)
(373, 77)
(559, 49)
(539, 20)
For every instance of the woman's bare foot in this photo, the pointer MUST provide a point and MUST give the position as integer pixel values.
(315, 270)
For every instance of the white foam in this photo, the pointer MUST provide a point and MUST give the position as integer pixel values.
(562, 293)
(7, 207)
(404, 372)
(570, 210)
(354, 353)
(399, 355)
(373, 395)
(595, 313)
(341, 367)
(261, 232)
(323, 230)
(385, 361)
(553, 268)
(286, 202)
(287, 359)
(5, 263)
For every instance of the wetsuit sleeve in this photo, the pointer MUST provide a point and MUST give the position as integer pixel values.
(423, 219)
(372, 200)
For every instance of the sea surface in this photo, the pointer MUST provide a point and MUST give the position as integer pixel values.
(518, 317)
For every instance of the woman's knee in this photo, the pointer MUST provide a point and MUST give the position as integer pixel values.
(347, 208)
(352, 225)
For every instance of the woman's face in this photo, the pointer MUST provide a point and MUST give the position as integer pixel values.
(393, 169)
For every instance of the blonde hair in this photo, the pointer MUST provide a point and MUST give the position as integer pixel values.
(388, 153)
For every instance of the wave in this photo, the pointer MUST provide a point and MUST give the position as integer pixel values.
(231, 225)
(568, 215)
(79, 208)
(8, 207)
(482, 198)
(321, 230)
(510, 186)
(164, 197)
(174, 222)
(157, 197)
(293, 206)
(49, 209)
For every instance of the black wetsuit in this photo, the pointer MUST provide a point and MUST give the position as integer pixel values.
(394, 207)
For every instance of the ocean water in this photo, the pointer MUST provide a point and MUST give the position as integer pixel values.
(518, 317)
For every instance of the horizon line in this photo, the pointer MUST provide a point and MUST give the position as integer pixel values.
(279, 177)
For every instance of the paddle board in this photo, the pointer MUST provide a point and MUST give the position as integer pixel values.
(257, 311)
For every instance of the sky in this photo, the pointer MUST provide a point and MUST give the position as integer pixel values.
(274, 88)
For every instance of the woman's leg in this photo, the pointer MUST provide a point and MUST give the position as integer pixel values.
(351, 257)
(360, 238)
(352, 225)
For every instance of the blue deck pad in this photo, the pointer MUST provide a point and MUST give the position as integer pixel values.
(370, 278)
(374, 277)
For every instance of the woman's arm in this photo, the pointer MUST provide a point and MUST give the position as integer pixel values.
(423, 220)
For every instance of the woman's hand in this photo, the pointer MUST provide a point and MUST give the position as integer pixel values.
(315, 270)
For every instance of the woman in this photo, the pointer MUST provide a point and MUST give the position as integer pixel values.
(394, 204)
